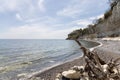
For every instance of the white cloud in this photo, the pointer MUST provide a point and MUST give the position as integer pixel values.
(7, 5)
(42, 20)
(83, 22)
(36, 31)
(26, 31)
(71, 11)
(41, 5)
(45, 29)
(97, 17)
(19, 17)
(41, 26)
(82, 8)
(26, 8)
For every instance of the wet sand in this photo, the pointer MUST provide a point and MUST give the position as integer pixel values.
(109, 49)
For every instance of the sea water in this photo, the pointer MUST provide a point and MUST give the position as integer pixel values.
(30, 55)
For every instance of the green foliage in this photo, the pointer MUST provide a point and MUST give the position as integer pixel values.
(85, 31)
(92, 36)
(100, 20)
(75, 34)
(82, 32)
(114, 35)
(113, 3)
(107, 14)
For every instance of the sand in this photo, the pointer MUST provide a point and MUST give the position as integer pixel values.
(109, 49)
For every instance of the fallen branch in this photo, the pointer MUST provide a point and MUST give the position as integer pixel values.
(95, 68)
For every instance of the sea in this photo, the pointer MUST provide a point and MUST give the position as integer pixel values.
(31, 55)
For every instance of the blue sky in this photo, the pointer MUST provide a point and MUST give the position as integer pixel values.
(47, 19)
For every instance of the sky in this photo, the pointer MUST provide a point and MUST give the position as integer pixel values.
(47, 19)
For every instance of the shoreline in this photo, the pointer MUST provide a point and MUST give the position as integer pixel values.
(102, 50)
(67, 64)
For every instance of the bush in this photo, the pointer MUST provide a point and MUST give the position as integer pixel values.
(107, 14)
(100, 20)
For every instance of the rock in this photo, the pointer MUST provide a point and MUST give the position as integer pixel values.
(78, 68)
(2, 69)
(71, 74)
(58, 76)
(95, 68)
(21, 75)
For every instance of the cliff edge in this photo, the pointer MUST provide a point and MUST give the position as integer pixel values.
(107, 26)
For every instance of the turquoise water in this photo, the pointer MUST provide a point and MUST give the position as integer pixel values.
(25, 56)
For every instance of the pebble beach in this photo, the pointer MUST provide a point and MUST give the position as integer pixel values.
(108, 50)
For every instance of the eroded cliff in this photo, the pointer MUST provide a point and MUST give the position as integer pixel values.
(108, 26)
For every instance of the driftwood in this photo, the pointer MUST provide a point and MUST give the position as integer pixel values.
(96, 68)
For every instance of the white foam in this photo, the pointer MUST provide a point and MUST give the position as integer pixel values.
(51, 61)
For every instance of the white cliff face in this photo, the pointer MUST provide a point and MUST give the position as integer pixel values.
(116, 12)
(110, 25)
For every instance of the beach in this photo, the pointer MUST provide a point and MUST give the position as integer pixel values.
(109, 49)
